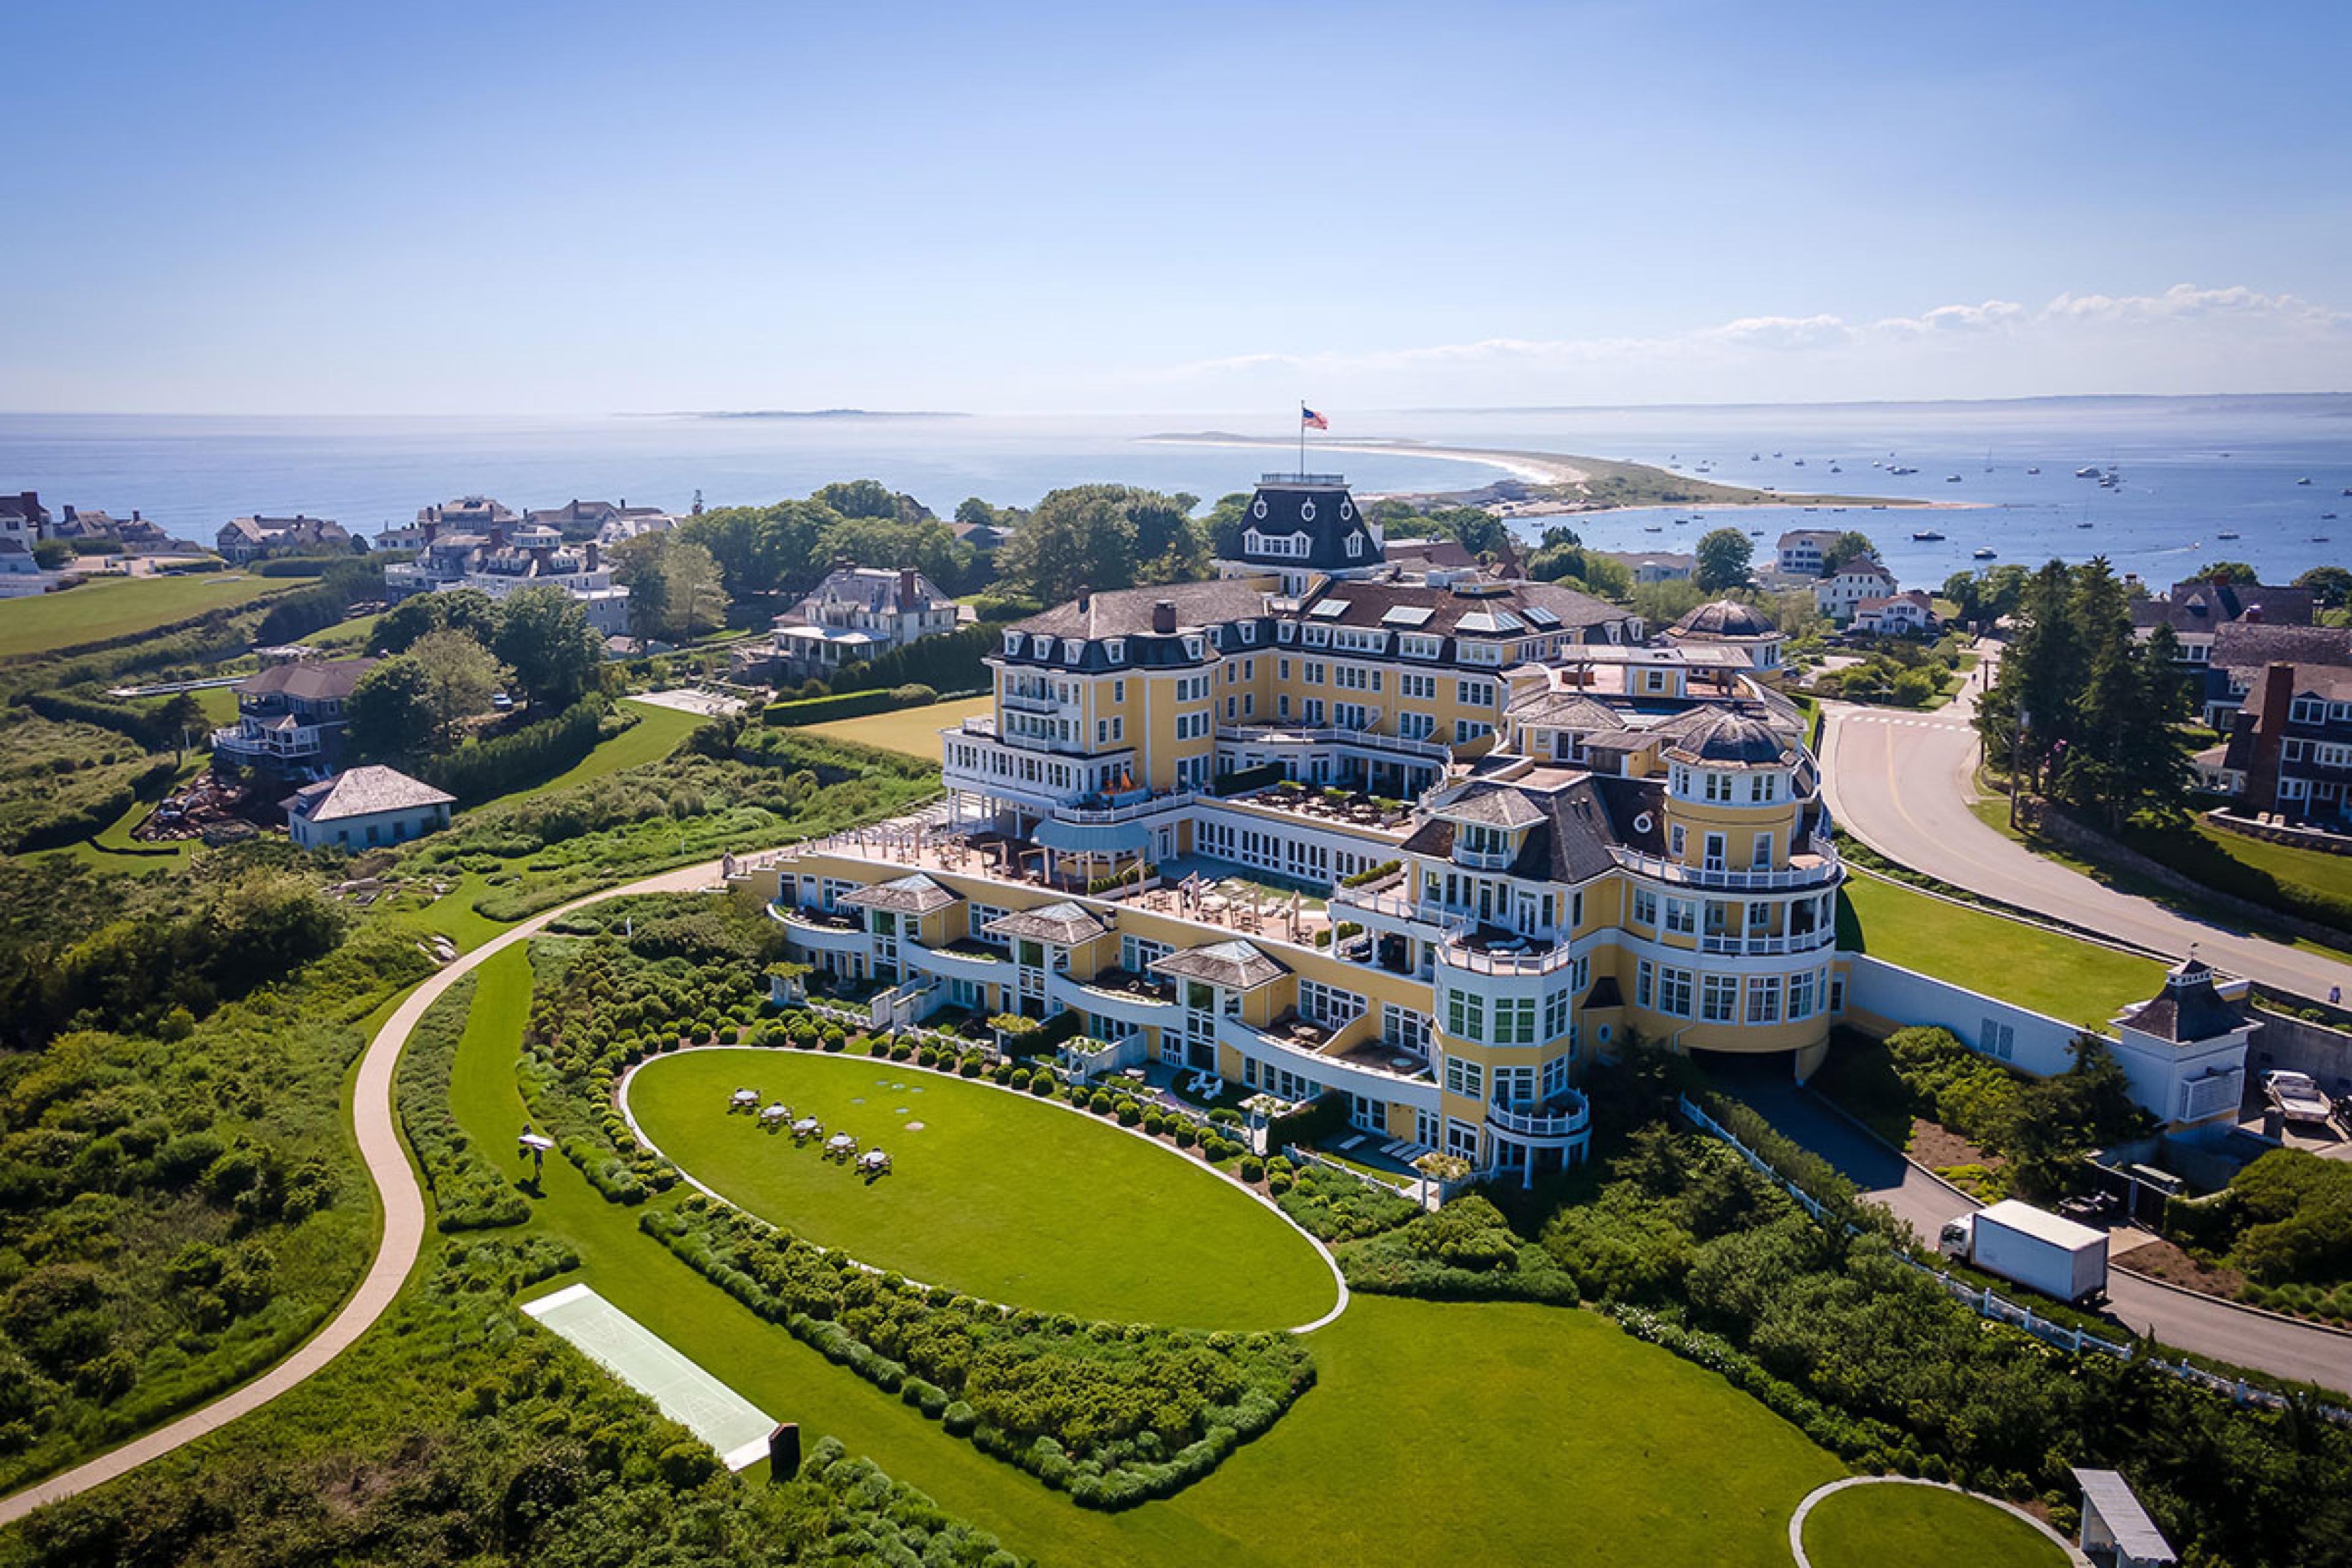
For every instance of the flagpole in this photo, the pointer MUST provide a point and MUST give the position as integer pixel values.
(1302, 440)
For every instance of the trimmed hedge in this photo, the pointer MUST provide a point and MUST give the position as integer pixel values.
(483, 769)
(469, 1192)
(1463, 1252)
(820, 710)
(953, 662)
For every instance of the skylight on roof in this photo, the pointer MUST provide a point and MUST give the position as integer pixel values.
(1537, 616)
(1408, 615)
(1509, 622)
(1476, 621)
(1330, 609)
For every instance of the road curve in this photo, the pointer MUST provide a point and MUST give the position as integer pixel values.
(385, 1156)
(1902, 783)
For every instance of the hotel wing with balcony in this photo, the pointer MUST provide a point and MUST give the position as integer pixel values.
(1428, 841)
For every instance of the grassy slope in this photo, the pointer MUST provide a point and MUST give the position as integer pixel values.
(654, 736)
(1921, 1527)
(2328, 873)
(2077, 981)
(999, 1196)
(97, 611)
(1433, 1427)
(911, 731)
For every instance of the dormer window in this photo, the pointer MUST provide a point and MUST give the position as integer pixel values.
(1249, 631)
(1013, 642)
(1191, 648)
(1072, 650)
(1114, 650)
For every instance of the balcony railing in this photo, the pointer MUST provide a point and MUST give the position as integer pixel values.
(1457, 954)
(1317, 735)
(303, 742)
(1666, 870)
(1029, 703)
(1165, 800)
(1568, 1117)
(1757, 946)
(1398, 907)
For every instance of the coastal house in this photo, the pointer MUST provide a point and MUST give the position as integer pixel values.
(1655, 565)
(242, 540)
(1909, 614)
(466, 514)
(504, 558)
(365, 807)
(291, 718)
(857, 613)
(985, 538)
(21, 576)
(23, 519)
(602, 521)
(135, 533)
(2289, 752)
(1839, 595)
(2241, 650)
(1728, 623)
(2196, 610)
(1802, 550)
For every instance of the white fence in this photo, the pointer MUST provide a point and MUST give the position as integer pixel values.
(1987, 1303)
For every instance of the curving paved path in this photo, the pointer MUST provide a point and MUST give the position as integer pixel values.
(385, 1156)
(1902, 783)
(1797, 1522)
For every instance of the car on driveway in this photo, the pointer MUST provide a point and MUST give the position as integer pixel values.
(2297, 1097)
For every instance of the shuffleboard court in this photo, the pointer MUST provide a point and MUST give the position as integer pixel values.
(633, 1353)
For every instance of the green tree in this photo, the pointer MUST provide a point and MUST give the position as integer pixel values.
(390, 710)
(927, 544)
(1849, 545)
(1082, 537)
(181, 717)
(694, 594)
(871, 498)
(459, 677)
(467, 610)
(48, 555)
(545, 638)
(2331, 586)
(2229, 571)
(1723, 557)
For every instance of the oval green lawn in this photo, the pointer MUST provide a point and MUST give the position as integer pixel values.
(1922, 1527)
(994, 1193)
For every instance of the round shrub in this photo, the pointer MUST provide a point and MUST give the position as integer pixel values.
(928, 1056)
(1042, 1085)
(958, 1418)
(1154, 1123)
(1253, 1168)
(1186, 1136)
(1130, 1113)
(1018, 1078)
(1099, 1102)
(729, 1034)
(969, 1068)
(1278, 1183)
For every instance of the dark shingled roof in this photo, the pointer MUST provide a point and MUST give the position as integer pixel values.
(1495, 805)
(363, 792)
(1235, 965)
(2251, 645)
(321, 680)
(914, 895)
(1734, 739)
(1368, 602)
(1126, 612)
(1326, 514)
(2189, 1009)
(2200, 606)
(1567, 710)
(1574, 826)
(1065, 924)
(1726, 618)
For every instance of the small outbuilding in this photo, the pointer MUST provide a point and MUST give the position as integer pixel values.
(363, 808)
(2116, 1531)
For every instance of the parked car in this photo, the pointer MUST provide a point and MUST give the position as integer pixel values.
(501, 701)
(2296, 1097)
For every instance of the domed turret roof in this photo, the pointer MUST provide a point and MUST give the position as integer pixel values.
(1726, 618)
(1733, 739)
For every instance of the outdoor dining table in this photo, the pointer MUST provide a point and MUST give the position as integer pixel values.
(807, 1126)
(747, 1097)
(776, 1113)
(840, 1140)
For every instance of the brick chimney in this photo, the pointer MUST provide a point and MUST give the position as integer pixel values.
(2275, 695)
(1164, 615)
(497, 535)
(71, 513)
(595, 555)
(906, 586)
(2253, 617)
(432, 527)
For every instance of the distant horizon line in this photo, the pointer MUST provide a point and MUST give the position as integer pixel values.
(854, 414)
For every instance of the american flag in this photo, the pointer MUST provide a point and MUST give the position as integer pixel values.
(1310, 420)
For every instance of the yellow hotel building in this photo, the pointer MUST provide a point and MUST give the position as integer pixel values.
(1429, 841)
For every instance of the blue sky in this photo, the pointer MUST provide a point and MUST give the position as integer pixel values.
(582, 208)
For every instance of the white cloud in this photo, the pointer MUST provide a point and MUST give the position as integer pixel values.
(2185, 339)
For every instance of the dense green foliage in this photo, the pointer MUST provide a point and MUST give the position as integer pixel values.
(468, 1190)
(1871, 1358)
(800, 710)
(62, 780)
(485, 769)
(1338, 1208)
(342, 582)
(457, 1436)
(2286, 1222)
(1723, 560)
(2042, 1126)
(1113, 1413)
(179, 1208)
(950, 663)
(2088, 714)
(1463, 1252)
(1104, 536)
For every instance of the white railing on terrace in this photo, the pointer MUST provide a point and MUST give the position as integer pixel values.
(1029, 702)
(1484, 859)
(1664, 870)
(1455, 953)
(1331, 1073)
(1755, 946)
(300, 742)
(1398, 907)
(1573, 1117)
(1312, 735)
(1166, 800)
(1328, 481)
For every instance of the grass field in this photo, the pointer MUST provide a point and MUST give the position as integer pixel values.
(2311, 868)
(915, 731)
(97, 611)
(1434, 1432)
(344, 638)
(2076, 980)
(991, 1193)
(654, 736)
(1921, 1527)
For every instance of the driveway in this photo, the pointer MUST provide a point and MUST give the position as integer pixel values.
(2200, 1325)
(1902, 783)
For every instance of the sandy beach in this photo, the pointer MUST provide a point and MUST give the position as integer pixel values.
(1536, 467)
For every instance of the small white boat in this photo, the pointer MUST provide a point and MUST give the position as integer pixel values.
(1951, 479)
(2086, 472)
(2227, 533)
(1927, 535)
(2033, 471)
(2303, 481)
(1983, 555)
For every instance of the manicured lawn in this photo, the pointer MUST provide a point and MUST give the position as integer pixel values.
(2310, 868)
(345, 638)
(1921, 1527)
(912, 730)
(97, 611)
(2077, 981)
(991, 1193)
(654, 736)
(1434, 1432)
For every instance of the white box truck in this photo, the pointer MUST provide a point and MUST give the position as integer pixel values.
(2032, 1248)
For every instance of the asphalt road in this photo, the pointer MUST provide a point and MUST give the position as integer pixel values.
(2299, 1351)
(1901, 782)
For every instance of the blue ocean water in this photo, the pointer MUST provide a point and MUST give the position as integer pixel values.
(2192, 468)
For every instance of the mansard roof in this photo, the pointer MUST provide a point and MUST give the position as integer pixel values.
(1320, 507)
